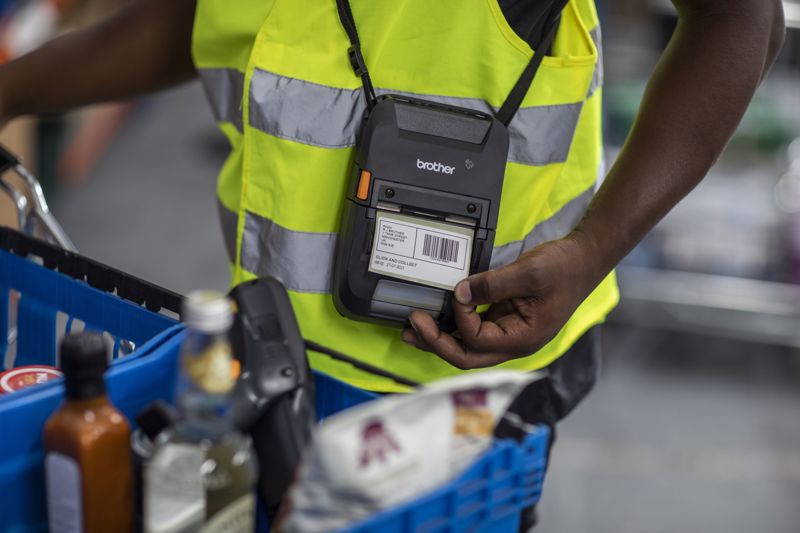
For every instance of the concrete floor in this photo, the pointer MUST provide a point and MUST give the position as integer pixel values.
(683, 434)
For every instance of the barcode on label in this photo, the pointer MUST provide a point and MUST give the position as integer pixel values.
(440, 249)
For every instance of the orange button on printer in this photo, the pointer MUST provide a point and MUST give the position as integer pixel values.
(363, 185)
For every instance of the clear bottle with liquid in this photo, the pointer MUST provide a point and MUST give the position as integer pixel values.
(202, 474)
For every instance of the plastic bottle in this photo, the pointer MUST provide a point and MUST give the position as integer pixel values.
(202, 473)
(86, 441)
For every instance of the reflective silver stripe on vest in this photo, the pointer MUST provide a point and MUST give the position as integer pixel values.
(597, 76)
(305, 112)
(303, 261)
(329, 117)
(555, 227)
(343, 109)
(290, 109)
(224, 88)
(227, 221)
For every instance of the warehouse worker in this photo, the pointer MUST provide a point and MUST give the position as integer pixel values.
(287, 99)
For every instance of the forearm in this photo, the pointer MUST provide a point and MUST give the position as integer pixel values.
(695, 99)
(144, 47)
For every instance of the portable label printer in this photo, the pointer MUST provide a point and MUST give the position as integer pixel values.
(423, 199)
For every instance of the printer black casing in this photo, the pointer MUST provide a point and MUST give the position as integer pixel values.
(398, 132)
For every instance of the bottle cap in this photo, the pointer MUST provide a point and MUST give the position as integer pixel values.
(84, 360)
(207, 311)
(155, 418)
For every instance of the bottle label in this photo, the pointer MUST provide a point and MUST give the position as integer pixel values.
(64, 494)
(174, 498)
(238, 517)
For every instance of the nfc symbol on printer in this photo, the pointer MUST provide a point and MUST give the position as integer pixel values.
(377, 443)
(469, 164)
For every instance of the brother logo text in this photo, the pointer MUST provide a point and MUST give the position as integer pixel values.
(435, 166)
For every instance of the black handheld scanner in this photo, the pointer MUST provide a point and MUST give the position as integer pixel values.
(274, 397)
(421, 209)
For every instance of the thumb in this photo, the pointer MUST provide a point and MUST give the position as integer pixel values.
(504, 283)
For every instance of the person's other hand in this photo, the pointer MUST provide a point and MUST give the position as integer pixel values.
(531, 300)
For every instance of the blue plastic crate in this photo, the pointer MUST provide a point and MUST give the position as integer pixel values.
(487, 498)
(40, 294)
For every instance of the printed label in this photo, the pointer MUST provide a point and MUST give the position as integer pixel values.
(428, 252)
(238, 517)
(64, 494)
(174, 496)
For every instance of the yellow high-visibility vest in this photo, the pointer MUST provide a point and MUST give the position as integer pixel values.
(282, 89)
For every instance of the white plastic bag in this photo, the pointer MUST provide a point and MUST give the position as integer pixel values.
(380, 454)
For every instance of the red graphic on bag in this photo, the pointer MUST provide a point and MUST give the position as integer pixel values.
(377, 443)
(470, 398)
(472, 414)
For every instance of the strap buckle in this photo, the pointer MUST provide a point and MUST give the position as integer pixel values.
(357, 61)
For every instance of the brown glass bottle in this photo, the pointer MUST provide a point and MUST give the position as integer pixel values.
(86, 441)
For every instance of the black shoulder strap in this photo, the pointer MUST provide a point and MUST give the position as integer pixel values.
(354, 52)
(520, 89)
(515, 97)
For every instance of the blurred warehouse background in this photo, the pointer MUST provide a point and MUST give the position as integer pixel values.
(695, 425)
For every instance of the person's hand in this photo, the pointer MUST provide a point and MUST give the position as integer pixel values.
(531, 300)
